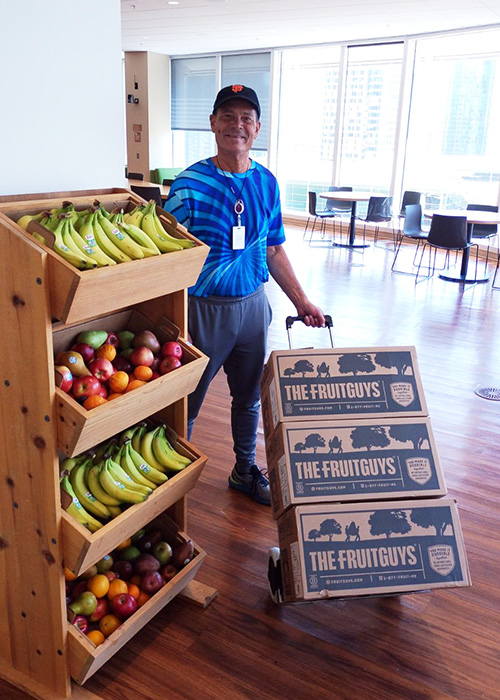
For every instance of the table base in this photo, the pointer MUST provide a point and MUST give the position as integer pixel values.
(466, 279)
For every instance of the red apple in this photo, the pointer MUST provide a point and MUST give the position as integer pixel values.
(113, 340)
(155, 375)
(101, 368)
(140, 356)
(64, 378)
(78, 587)
(123, 605)
(85, 350)
(169, 363)
(156, 363)
(151, 582)
(82, 623)
(171, 349)
(85, 386)
(102, 609)
(168, 571)
(121, 364)
(103, 392)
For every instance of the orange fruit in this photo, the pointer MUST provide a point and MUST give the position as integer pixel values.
(69, 575)
(134, 384)
(118, 382)
(117, 586)
(107, 351)
(93, 401)
(114, 396)
(99, 585)
(134, 590)
(126, 543)
(136, 579)
(108, 624)
(143, 598)
(144, 373)
(96, 636)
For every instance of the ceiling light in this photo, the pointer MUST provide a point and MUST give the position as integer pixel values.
(172, 2)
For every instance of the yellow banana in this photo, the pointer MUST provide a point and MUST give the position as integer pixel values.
(182, 242)
(97, 257)
(117, 488)
(177, 455)
(137, 437)
(134, 217)
(120, 474)
(148, 246)
(77, 511)
(97, 490)
(62, 249)
(128, 465)
(86, 498)
(115, 511)
(121, 239)
(146, 450)
(154, 475)
(106, 244)
(71, 244)
(163, 454)
(86, 231)
(25, 220)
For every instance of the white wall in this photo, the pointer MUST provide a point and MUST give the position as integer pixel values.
(61, 96)
(160, 137)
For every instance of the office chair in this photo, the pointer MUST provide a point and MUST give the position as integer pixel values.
(135, 176)
(148, 193)
(447, 233)
(322, 215)
(379, 211)
(481, 232)
(412, 230)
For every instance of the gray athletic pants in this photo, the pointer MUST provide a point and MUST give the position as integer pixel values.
(232, 331)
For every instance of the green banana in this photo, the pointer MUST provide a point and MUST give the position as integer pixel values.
(97, 490)
(105, 243)
(76, 510)
(120, 238)
(84, 495)
(117, 471)
(147, 452)
(86, 231)
(129, 433)
(116, 488)
(154, 475)
(164, 452)
(128, 465)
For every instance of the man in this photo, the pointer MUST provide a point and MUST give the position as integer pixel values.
(232, 204)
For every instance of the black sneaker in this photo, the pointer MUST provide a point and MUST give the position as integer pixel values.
(254, 483)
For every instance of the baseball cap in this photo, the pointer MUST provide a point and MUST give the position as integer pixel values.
(231, 92)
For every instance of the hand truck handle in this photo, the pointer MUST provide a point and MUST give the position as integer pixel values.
(290, 320)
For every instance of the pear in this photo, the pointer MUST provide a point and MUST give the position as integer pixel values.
(74, 362)
(125, 338)
(85, 604)
(93, 338)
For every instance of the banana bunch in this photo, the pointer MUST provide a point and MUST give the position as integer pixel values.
(157, 450)
(76, 510)
(149, 221)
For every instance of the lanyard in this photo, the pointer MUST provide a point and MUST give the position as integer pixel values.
(239, 206)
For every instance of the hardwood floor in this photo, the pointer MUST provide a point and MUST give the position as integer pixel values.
(439, 645)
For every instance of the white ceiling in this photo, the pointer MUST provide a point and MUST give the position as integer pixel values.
(205, 26)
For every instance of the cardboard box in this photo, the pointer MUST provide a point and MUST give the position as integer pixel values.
(344, 461)
(332, 551)
(341, 383)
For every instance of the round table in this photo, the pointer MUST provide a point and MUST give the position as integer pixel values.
(353, 197)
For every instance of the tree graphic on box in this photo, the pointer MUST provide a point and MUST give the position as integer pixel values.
(399, 360)
(438, 518)
(369, 436)
(314, 440)
(356, 362)
(389, 522)
(330, 527)
(314, 535)
(416, 434)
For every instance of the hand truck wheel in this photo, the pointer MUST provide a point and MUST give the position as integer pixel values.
(274, 575)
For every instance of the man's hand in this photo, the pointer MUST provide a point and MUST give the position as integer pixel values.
(313, 315)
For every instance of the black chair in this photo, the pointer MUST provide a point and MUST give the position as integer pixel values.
(148, 193)
(379, 211)
(167, 181)
(447, 233)
(480, 232)
(412, 230)
(135, 176)
(338, 206)
(496, 271)
(314, 214)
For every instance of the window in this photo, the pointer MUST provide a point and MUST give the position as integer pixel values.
(453, 143)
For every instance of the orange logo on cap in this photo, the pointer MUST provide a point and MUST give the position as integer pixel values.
(237, 88)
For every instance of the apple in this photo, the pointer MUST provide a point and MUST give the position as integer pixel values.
(146, 339)
(123, 569)
(64, 378)
(82, 623)
(123, 605)
(168, 571)
(113, 340)
(121, 364)
(101, 368)
(155, 375)
(85, 350)
(169, 363)
(162, 551)
(156, 363)
(78, 588)
(103, 392)
(151, 582)
(171, 349)
(140, 356)
(102, 609)
(85, 386)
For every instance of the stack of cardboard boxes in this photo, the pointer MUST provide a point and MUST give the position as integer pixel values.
(356, 482)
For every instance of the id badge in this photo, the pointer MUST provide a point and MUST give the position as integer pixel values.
(238, 237)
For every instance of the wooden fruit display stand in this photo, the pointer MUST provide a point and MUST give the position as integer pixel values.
(44, 300)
